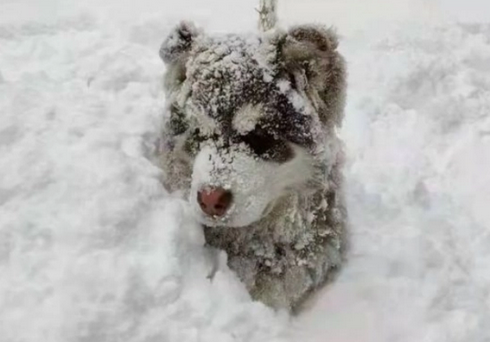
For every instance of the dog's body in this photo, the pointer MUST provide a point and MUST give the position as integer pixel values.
(252, 139)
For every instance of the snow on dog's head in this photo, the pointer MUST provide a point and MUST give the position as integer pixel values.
(249, 116)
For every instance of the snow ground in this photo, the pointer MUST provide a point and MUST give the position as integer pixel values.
(92, 249)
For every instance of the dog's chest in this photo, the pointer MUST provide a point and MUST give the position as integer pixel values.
(301, 235)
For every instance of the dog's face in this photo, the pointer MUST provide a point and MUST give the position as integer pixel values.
(248, 118)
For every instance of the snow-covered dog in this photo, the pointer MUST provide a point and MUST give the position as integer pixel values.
(252, 140)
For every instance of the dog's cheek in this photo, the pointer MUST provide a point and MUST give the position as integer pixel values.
(256, 191)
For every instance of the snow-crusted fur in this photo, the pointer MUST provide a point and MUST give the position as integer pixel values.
(257, 116)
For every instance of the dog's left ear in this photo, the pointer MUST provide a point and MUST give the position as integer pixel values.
(314, 66)
(175, 51)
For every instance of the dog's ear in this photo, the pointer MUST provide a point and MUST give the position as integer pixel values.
(314, 66)
(179, 42)
(175, 51)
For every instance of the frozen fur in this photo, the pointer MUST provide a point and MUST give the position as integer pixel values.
(257, 115)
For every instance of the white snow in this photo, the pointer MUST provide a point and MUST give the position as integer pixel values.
(93, 249)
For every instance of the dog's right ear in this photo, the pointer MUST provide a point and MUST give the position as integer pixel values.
(175, 51)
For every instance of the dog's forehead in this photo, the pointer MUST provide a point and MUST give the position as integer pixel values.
(233, 87)
(226, 73)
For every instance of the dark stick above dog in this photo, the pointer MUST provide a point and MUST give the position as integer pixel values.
(252, 140)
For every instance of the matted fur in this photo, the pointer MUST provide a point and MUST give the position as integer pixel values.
(285, 234)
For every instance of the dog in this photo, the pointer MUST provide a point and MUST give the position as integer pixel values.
(251, 138)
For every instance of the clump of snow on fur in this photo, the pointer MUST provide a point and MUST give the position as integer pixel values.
(247, 118)
(284, 86)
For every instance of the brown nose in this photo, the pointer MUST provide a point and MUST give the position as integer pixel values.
(214, 201)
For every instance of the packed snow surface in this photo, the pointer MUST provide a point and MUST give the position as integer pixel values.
(93, 249)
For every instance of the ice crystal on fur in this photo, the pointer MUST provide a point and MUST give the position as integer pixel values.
(256, 116)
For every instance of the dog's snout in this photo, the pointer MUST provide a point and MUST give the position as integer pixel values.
(214, 201)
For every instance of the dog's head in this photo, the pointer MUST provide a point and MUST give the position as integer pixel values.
(249, 117)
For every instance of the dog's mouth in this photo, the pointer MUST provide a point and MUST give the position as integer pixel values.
(238, 215)
(216, 220)
(232, 218)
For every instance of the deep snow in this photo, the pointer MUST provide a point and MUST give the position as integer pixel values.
(92, 248)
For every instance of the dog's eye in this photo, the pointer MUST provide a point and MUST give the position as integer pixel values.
(267, 146)
(259, 142)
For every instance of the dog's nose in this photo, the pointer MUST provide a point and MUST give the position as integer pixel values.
(214, 201)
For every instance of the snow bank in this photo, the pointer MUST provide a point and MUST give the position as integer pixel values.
(92, 249)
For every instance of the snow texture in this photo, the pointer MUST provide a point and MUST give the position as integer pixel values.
(92, 248)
